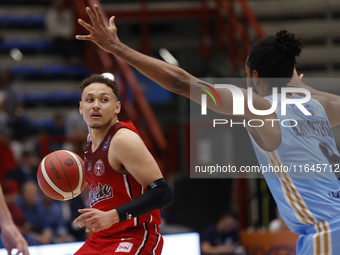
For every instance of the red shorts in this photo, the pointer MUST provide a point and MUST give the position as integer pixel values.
(138, 241)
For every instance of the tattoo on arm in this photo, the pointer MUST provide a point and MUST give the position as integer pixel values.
(119, 53)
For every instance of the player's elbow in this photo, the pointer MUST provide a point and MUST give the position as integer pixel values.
(168, 197)
(162, 193)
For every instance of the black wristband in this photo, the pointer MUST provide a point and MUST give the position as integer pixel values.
(159, 195)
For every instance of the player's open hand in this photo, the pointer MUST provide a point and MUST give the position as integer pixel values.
(96, 220)
(105, 37)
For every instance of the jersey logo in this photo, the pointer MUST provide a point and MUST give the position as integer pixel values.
(100, 193)
(89, 166)
(106, 143)
(88, 142)
(99, 168)
(124, 247)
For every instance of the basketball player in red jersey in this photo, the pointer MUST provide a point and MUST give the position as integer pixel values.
(126, 185)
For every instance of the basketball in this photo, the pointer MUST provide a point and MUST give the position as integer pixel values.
(60, 175)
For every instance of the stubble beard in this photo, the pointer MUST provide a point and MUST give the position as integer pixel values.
(96, 126)
(100, 125)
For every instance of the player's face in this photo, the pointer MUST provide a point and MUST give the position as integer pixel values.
(99, 106)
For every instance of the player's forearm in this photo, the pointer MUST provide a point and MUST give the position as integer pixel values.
(5, 216)
(166, 75)
(159, 195)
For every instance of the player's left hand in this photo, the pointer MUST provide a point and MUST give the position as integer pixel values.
(295, 74)
(12, 238)
(96, 220)
(104, 36)
(296, 80)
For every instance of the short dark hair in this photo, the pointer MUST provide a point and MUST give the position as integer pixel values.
(274, 56)
(97, 78)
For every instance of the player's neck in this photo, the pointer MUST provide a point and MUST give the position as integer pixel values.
(98, 134)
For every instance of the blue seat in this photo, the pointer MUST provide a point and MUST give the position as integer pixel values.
(42, 123)
(32, 21)
(59, 97)
(42, 45)
(25, 71)
(66, 71)
(34, 98)
(51, 70)
(21, 45)
(39, 45)
(22, 21)
(8, 20)
(75, 96)
(3, 46)
(78, 71)
(55, 98)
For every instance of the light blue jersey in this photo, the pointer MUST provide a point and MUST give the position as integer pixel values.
(307, 195)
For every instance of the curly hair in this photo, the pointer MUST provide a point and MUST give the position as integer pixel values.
(274, 56)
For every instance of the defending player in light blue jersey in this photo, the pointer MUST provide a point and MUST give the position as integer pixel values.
(308, 203)
(306, 194)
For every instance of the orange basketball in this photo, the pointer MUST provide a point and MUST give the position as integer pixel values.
(60, 175)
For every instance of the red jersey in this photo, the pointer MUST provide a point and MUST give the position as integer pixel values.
(109, 188)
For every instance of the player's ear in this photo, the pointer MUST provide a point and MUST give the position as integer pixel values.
(255, 78)
(80, 108)
(117, 107)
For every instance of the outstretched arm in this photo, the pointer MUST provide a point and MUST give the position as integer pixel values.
(10, 235)
(168, 76)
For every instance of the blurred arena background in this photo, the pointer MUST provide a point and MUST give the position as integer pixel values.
(41, 66)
